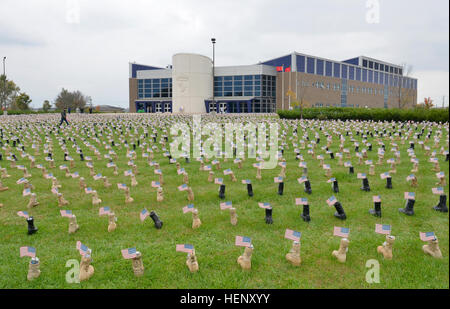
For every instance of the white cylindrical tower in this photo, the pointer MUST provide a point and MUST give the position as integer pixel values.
(192, 82)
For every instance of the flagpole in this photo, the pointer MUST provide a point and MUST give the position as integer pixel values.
(289, 89)
(282, 87)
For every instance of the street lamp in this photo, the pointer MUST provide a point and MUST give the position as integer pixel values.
(213, 41)
(4, 83)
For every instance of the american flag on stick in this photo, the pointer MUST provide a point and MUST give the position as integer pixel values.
(183, 187)
(302, 179)
(383, 229)
(243, 241)
(341, 231)
(361, 176)
(207, 168)
(227, 172)
(278, 179)
(97, 177)
(144, 214)
(410, 177)
(440, 175)
(66, 213)
(292, 235)
(88, 190)
(129, 253)
(26, 192)
(226, 205)
(246, 181)
(156, 184)
(427, 236)
(158, 172)
(438, 190)
(83, 249)
(121, 186)
(301, 201)
(187, 248)
(128, 173)
(21, 181)
(376, 199)
(104, 211)
(331, 201)
(188, 208)
(27, 251)
(264, 205)
(385, 175)
(23, 214)
(218, 181)
(410, 196)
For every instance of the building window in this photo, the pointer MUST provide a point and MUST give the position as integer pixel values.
(328, 68)
(364, 75)
(311, 65)
(319, 69)
(365, 63)
(337, 70)
(358, 74)
(370, 76)
(344, 71)
(351, 73)
(301, 64)
(370, 64)
(376, 66)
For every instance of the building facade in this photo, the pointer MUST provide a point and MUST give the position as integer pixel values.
(188, 85)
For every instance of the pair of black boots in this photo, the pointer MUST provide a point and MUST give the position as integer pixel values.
(376, 211)
(409, 208)
(340, 213)
(268, 217)
(31, 228)
(156, 220)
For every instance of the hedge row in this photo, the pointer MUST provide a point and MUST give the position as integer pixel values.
(376, 114)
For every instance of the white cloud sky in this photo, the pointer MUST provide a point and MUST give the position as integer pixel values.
(46, 52)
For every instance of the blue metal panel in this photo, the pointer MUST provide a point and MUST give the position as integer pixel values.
(140, 67)
(337, 70)
(319, 69)
(301, 64)
(344, 71)
(354, 61)
(344, 92)
(364, 75)
(311, 65)
(351, 73)
(358, 74)
(370, 76)
(285, 61)
(328, 68)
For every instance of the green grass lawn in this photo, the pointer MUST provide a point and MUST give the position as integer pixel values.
(214, 240)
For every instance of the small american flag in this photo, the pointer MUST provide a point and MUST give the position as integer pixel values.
(83, 249)
(383, 229)
(410, 177)
(390, 161)
(226, 205)
(237, 160)
(331, 180)
(130, 163)
(188, 208)
(207, 168)
(301, 201)
(292, 235)
(55, 191)
(410, 196)
(121, 186)
(320, 157)
(264, 205)
(302, 164)
(63, 167)
(433, 160)
(156, 184)
(129, 253)
(257, 165)
(246, 181)
(26, 192)
(23, 214)
(144, 214)
(385, 175)
(415, 161)
(331, 201)
(66, 213)
(48, 159)
(278, 179)
(282, 164)
(104, 211)
(158, 172)
(88, 190)
(348, 164)
(341, 231)
(369, 162)
(21, 181)
(181, 171)
(302, 179)
(227, 172)
(98, 176)
(361, 176)
(243, 241)
(173, 160)
(376, 199)
(184, 248)
(218, 181)
(427, 236)
(440, 175)
(438, 190)
(110, 164)
(128, 173)
(326, 166)
(75, 175)
(27, 251)
(89, 164)
(183, 187)
(215, 162)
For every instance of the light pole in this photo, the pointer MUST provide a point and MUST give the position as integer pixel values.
(213, 41)
(4, 83)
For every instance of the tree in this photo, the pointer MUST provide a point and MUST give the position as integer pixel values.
(298, 98)
(72, 100)
(21, 102)
(405, 95)
(46, 106)
(8, 92)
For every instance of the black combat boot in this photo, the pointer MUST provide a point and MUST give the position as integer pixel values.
(65, 157)
(351, 170)
(31, 228)
(268, 217)
(339, 211)
(365, 186)
(305, 215)
(250, 189)
(389, 183)
(222, 191)
(331, 155)
(187, 159)
(447, 157)
(308, 187)
(377, 210)
(156, 220)
(442, 206)
(81, 157)
(409, 208)
(280, 188)
(335, 186)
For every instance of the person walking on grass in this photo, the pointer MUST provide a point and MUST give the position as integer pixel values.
(63, 117)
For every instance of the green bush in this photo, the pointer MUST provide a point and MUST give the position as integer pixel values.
(376, 114)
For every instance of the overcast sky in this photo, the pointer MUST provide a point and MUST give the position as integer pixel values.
(86, 45)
